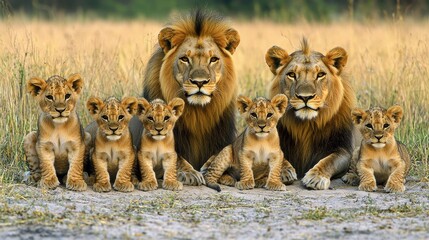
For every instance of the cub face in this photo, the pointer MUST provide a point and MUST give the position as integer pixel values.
(377, 125)
(261, 114)
(158, 118)
(57, 96)
(112, 115)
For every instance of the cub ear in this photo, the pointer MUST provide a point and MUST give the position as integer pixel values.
(165, 38)
(396, 113)
(232, 40)
(337, 57)
(177, 104)
(142, 106)
(130, 104)
(243, 103)
(94, 105)
(358, 115)
(276, 57)
(76, 82)
(280, 101)
(35, 86)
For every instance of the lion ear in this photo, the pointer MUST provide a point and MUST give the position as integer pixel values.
(130, 104)
(396, 113)
(165, 37)
(276, 57)
(177, 104)
(280, 103)
(337, 57)
(76, 82)
(94, 105)
(35, 86)
(232, 39)
(142, 106)
(243, 103)
(358, 115)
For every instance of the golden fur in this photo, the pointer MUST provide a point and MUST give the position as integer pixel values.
(157, 157)
(316, 130)
(57, 148)
(193, 61)
(113, 152)
(255, 157)
(380, 158)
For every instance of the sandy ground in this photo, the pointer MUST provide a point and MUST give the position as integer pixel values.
(199, 212)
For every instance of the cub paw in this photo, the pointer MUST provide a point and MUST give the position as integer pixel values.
(147, 185)
(173, 186)
(351, 179)
(394, 188)
(245, 185)
(76, 185)
(368, 187)
(315, 180)
(259, 183)
(227, 180)
(50, 183)
(191, 178)
(123, 187)
(102, 187)
(288, 175)
(275, 186)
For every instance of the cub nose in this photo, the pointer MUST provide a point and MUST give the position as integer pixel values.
(60, 109)
(261, 126)
(378, 137)
(199, 82)
(159, 128)
(305, 98)
(113, 128)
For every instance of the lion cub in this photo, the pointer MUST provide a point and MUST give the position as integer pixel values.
(113, 152)
(157, 157)
(381, 158)
(255, 156)
(57, 148)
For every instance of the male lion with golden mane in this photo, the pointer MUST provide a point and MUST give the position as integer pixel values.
(193, 61)
(316, 132)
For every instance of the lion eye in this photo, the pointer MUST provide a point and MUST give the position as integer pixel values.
(184, 59)
(105, 117)
(50, 97)
(253, 114)
(121, 117)
(369, 125)
(150, 118)
(214, 59)
(269, 115)
(166, 118)
(321, 75)
(291, 75)
(386, 125)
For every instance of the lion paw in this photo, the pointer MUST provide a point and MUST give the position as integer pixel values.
(314, 180)
(76, 185)
(102, 187)
(174, 185)
(245, 185)
(123, 187)
(191, 178)
(288, 175)
(227, 180)
(351, 179)
(368, 187)
(275, 186)
(147, 185)
(394, 188)
(260, 183)
(50, 183)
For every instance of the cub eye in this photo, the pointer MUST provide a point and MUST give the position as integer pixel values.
(68, 95)
(105, 117)
(184, 59)
(166, 118)
(50, 97)
(253, 114)
(150, 118)
(321, 75)
(291, 75)
(386, 125)
(214, 59)
(269, 115)
(121, 117)
(369, 125)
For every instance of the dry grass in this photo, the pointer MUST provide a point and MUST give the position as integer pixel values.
(388, 63)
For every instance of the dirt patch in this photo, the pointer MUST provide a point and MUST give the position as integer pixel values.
(199, 212)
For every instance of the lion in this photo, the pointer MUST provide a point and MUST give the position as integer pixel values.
(157, 157)
(380, 158)
(255, 157)
(316, 132)
(112, 147)
(57, 148)
(193, 61)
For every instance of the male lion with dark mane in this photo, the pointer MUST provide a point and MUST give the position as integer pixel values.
(193, 61)
(316, 132)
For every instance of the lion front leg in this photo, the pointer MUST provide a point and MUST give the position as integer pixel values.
(319, 177)
(247, 180)
(396, 180)
(187, 174)
(274, 182)
(219, 164)
(169, 164)
(49, 178)
(288, 173)
(32, 159)
(75, 179)
(366, 173)
(102, 178)
(123, 177)
(148, 182)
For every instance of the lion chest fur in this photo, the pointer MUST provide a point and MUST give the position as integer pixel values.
(157, 151)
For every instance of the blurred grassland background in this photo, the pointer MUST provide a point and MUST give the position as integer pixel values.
(109, 43)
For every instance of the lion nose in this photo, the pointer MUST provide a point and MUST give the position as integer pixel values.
(261, 126)
(305, 98)
(199, 82)
(159, 129)
(113, 128)
(60, 109)
(378, 137)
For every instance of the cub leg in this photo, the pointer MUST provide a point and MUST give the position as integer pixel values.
(288, 173)
(123, 177)
(396, 180)
(169, 164)
(75, 179)
(32, 159)
(218, 166)
(148, 183)
(274, 182)
(102, 178)
(246, 174)
(49, 178)
(367, 178)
